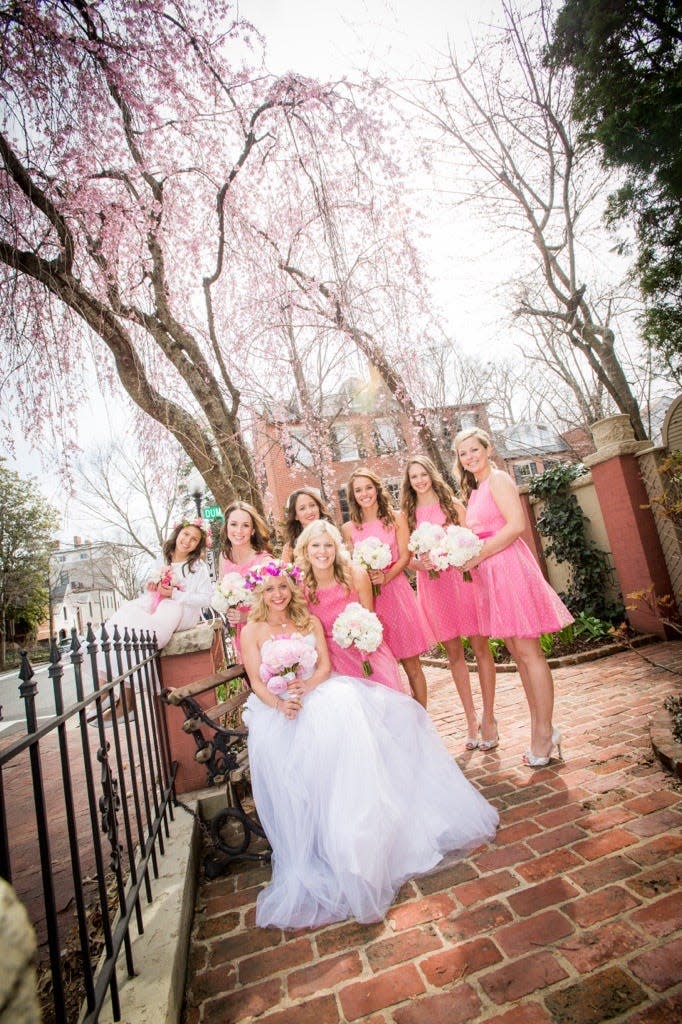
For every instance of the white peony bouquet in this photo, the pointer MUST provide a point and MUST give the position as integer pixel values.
(231, 592)
(357, 627)
(427, 540)
(461, 545)
(372, 553)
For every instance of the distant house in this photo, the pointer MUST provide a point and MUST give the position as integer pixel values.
(529, 448)
(360, 425)
(84, 587)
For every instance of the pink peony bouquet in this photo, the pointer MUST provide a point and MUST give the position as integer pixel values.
(284, 659)
(231, 592)
(372, 553)
(359, 628)
(163, 578)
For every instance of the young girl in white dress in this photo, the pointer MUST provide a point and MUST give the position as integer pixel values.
(353, 785)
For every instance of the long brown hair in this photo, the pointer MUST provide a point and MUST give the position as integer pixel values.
(292, 527)
(442, 490)
(467, 480)
(194, 556)
(341, 567)
(260, 534)
(297, 609)
(384, 507)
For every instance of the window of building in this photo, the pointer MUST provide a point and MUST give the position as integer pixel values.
(342, 495)
(523, 471)
(394, 490)
(386, 438)
(346, 443)
(299, 451)
(468, 420)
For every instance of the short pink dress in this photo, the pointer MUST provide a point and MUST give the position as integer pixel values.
(347, 661)
(447, 602)
(225, 566)
(406, 631)
(512, 596)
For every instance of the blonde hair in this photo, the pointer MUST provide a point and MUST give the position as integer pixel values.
(466, 479)
(442, 490)
(384, 508)
(341, 567)
(297, 609)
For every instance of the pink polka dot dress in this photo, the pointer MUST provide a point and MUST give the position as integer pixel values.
(512, 596)
(347, 661)
(447, 602)
(406, 631)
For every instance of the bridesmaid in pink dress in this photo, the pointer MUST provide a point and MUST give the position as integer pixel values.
(446, 600)
(244, 543)
(303, 506)
(330, 583)
(513, 599)
(405, 631)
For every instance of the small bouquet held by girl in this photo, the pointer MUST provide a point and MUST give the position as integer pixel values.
(231, 592)
(372, 554)
(163, 578)
(357, 627)
(285, 659)
(447, 547)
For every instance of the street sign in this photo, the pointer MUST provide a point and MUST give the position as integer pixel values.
(213, 512)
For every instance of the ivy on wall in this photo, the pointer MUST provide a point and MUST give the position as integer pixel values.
(562, 523)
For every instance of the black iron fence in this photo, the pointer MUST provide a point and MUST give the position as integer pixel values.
(85, 805)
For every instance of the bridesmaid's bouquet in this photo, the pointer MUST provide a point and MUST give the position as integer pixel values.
(427, 540)
(284, 659)
(163, 578)
(372, 553)
(359, 628)
(461, 545)
(231, 592)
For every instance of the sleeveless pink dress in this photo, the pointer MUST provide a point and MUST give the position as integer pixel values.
(512, 596)
(447, 602)
(347, 661)
(405, 630)
(225, 566)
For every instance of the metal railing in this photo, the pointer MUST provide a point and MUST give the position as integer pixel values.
(95, 781)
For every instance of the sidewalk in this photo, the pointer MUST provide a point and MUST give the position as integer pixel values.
(572, 916)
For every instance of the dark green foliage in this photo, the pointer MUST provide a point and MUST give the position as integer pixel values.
(563, 523)
(627, 58)
(674, 706)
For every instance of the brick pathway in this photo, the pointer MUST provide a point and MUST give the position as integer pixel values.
(572, 916)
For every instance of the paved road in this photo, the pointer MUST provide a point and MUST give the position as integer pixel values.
(13, 708)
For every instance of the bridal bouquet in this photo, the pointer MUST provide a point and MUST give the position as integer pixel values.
(428, 540)
(372, 553)
(163, 578)
(359, 628)
(461, 544)
(231, 592)
(284, 659)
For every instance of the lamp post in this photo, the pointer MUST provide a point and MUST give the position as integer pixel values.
(197, 488)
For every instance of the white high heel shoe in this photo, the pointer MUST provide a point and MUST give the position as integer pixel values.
(533, 761)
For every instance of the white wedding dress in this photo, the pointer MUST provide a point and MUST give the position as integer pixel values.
(356, 795)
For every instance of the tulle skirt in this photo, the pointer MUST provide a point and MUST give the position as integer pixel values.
(356, 795)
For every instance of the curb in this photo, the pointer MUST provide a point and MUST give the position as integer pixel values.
(567, 659)
(666, 748)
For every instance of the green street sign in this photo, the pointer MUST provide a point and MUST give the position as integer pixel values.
(213, 512)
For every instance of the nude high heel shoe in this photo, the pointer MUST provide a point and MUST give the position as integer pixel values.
(532, 761)
(490, 744)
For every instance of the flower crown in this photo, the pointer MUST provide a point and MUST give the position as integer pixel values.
(262, 573)
(201, 524)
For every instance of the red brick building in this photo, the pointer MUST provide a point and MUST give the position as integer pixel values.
(358, 430)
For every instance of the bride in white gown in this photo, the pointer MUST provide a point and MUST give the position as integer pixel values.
(353, 785)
